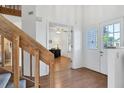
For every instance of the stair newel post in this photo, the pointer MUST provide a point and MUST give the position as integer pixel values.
(2, 50)
(15, 61)
(37, 69)
(51, 74)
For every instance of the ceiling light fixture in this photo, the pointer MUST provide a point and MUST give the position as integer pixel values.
(58, 32)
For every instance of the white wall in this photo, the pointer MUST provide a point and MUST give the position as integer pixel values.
(64, 14)
(14, 19)
(77, 56)
(95, 15)
(59, 14)
(41, 37)
(115, 60)
(68, 15)
(28, 20)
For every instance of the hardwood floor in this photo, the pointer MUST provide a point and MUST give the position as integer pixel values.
(62, 63)
(65, 77)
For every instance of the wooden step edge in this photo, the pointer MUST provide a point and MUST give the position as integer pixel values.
(23, 77)
(22, 84)
(5, 70)
(5, 77)
(29, 80)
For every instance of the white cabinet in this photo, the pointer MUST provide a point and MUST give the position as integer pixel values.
(115, 60)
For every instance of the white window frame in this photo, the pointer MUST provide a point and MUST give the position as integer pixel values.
(114, 21)
(96, 38)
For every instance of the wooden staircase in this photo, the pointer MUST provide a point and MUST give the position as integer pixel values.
(6, 80)
(21, 40)
(14, 10)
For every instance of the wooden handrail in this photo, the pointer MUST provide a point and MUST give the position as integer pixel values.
(21, 39)
(8, 30)
(16, 7)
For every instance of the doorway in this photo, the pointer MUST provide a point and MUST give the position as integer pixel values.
(100, 38)
(60, 40)
(60, 37)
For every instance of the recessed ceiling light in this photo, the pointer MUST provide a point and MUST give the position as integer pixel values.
(58, 32)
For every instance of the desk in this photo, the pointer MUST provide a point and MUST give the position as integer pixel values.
(56, 52)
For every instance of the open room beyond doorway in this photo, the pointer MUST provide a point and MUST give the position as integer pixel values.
(60, 38)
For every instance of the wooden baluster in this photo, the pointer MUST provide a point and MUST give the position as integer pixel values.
(51, 74)
(22, 61)
(17, 7)
(14, 7)
(10, 7)
(15, 60)
(3, 51)
(37, 69)
(30, 65)
(20, 7)
(5, 6)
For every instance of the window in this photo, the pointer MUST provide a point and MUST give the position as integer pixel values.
(112, 35)
(92, 38)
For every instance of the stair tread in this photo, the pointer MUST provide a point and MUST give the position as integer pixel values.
(4, 79)
(21, 85)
